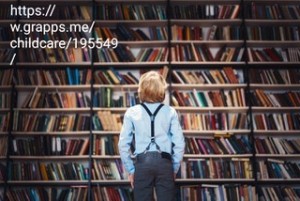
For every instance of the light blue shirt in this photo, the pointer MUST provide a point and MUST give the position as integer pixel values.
(167, 131)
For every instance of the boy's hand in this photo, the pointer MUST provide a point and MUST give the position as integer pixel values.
(131, 180)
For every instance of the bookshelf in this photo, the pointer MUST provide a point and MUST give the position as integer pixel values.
(267, 77)
(233, 76)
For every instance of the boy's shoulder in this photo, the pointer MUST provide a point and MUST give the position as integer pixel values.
(139, 107)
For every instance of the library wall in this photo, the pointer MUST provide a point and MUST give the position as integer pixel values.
(70, 69)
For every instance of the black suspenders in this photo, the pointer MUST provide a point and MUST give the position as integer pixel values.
(152, 117)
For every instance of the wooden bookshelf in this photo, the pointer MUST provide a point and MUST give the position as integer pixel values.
(196, 40)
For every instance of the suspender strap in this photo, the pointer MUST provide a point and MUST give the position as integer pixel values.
(152, 118)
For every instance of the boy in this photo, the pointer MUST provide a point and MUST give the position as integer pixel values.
(159, 144)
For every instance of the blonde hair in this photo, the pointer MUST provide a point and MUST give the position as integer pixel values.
(152, 87)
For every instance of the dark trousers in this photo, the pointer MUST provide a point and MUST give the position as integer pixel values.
(152, 171)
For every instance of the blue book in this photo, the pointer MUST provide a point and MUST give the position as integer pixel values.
(69, 76)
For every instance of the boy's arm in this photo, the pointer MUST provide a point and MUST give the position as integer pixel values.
(124, 144)
(178, 142)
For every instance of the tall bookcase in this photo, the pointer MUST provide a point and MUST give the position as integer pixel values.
(233, 76)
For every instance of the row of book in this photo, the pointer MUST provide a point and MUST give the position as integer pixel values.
(272, 11)
(273, 54)
(187, 193)
(114, 77)
(55, 171)
(107, 121)
(276, 121)
(274, 168)
(212, 168)
(209, 11)
(4, 122)
(3, 146)
(112, 193)
(278, 33)
(106, 97)
(47, 145)
(226, 75)
(32, 122)
(277, 145)
(275, 99)
(179, 53)
(77, 12)
(278, 193)
(218, 192)
(275, 76)
(213, 98)
(70, 76)
(198, 33)
(131, 12)
(108, 170)
(67, 76)
(202, 53)
(126, 33)
(219, 145)
(73, 193)
(46, 99)
(53, 55)
(6, 76)
(5, 100)
(106, 145)
(213, 121)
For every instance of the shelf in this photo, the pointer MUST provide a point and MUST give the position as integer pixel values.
(210, 43)
(207, 63)
(54, 21)
(207, 86)
(4, 110)
(132, 23)
(215, 132)
(57, 88)
(219, 156)
(105, 157)
(131, 64)
(274, 22)
(293, 180)
(117, 87)
(279, 156)
(274, 109)
(276, 133)
(53, 110)
(49, 182)
(50, 158)
(104, 133)
(271, 43)
(112, 109)
(206, 22)
(215, 181)
(211, 109)
(45, 65)
(52, 133)
(275, 86)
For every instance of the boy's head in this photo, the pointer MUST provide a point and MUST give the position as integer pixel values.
(152, 87)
